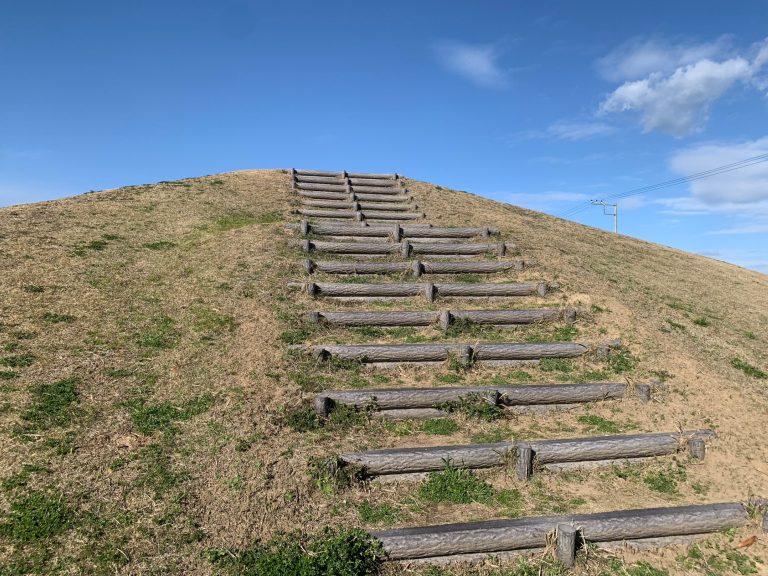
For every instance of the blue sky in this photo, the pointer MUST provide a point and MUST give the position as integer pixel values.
(544, 105)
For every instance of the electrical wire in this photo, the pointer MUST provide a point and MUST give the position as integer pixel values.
(675, 182)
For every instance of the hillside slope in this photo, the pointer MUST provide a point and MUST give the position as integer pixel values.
(152, 415)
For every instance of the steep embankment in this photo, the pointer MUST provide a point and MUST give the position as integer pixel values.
(152, 417)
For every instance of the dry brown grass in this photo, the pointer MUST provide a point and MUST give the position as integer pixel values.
(160, 328)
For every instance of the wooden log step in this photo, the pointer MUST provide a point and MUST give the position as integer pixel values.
(385, 399)
(497, 536)
(351, 196)
(337, 180)
(377, 182)
(444, 318)
(463, 352)
(416, 267)
(295, 172)
(359, 205)
(358, 215)
(476, 456)
(428, 290)
(405, 248)
(346, 188)
(372, 176)
(395, 231)
(381, 191)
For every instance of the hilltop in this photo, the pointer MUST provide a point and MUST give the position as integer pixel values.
(154, 420)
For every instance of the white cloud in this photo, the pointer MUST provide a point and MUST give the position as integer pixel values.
(738, 188)
(477, 63)
(680, 83)
(565, 130)
(638, 58)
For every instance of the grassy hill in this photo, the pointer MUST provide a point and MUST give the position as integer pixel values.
(152, 420)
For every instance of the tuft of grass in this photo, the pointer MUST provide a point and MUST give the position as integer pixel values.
(703, 321)
(599, 423)
(35, 516)
(302, 419)
(475, 406)
(51, 405)
(748, 369)
(209, 320)
(53, 318)
(160, 245)
(33, 288)
(440, 426)
(331, 475)
(556, 365)
(496, 434)
(665, 481)
(334, 552)
(161, 335)
(20, 479)
(455, 485)
(295, 336)
(676, 325)
(721, 560)
(147, 418)
(378, 513)
(621, 361)
(8, 374)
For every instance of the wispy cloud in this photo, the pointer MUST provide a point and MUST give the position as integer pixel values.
(566, 130)
(478, 63)
(740, 187)
(672, 88)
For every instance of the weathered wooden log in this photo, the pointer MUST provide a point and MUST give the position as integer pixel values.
(489, 267)
(525, 533)
(697, 448)
(380, 353)
(393, 230)
(297, 172)
(349, 247)
(611, 447)
(417, 268)
(323, 187)
(433, 458)
(322, 195)
(403, 318)
(523, 462)
(370, 353)
(341, 214)
(391, 191)
(367, 197)
(369, 181)
(404, 248)
(444, 318)
(523, 395)
(337, 180)
(372, 175)
(527, 351)
(341, 205)
(565, 544)
(379, 215)
(431, 291)
(351, 196)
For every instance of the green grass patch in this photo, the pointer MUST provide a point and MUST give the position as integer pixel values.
(147, 418)
(302, 419)
(713, 559)
(52, 405)
(20, 479)
(160, 335)
(209, 320)
(295, 336)
(33, 288)
(676, 326)
(53, 318)
(547, 501)
(35, 516)
(378, 513)
(497, 434)
(449, 378)
(599, 424)
(621, 361)
(665, 481)
(8, 374)
(474, 405)
(455, 485)
(748, 369)
(334, 552)
(556, 365)
(440, 426)
(160, 245)
(703, 321)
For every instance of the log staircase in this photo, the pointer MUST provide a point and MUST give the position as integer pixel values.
(371, 224)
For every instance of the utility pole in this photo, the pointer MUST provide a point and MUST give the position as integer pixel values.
(614, 212)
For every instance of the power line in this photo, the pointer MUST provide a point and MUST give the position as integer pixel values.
(666, 184)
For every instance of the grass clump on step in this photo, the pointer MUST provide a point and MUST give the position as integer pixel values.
(748, 369)
(342, 552)
(475, 406)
